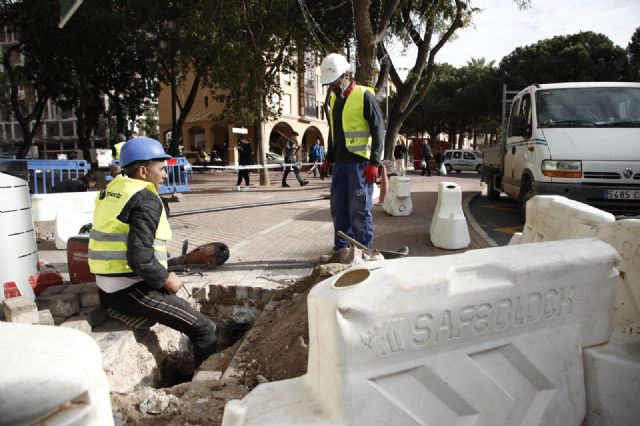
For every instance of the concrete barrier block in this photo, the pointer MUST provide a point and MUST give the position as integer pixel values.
(612, 377)
(397, 202)
(20, 309)
(68, 224)
(89, 295)
(553, 217)
(45, 317)
(624, 236)
(47, 206)
(486, 337)
(55, 373)
(448, 228)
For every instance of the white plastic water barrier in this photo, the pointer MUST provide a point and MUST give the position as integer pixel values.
(448, 228)
(18, 249)
(68, 225)
(397, 202)
(47, 206)
(53, 373)
(553, 217)
(486, 337)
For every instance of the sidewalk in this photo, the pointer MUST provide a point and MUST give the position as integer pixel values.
(271, 246)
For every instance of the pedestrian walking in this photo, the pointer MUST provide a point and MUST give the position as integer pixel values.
(399, 153)
(356, 143)
(426, 156)
(128, 251)
(317, 157)
(245, 158)
(439, 161)
(291, 147)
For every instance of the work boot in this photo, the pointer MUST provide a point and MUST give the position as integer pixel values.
(304, 182)
(285, 185)
(339, 256)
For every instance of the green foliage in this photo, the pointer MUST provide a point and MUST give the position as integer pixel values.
(149, 125)
(633, 53)
(585, 56)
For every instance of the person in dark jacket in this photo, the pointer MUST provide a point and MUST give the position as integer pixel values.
(399, 151)
(291, 147)
(82, 184)
(245, 159)
(128, 251)
(426, 156)
(356, 144)
(439, 160)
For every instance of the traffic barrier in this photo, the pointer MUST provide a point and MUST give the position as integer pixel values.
(68, 224)
(485, 337)
(178, 170)
(448, 228)
(51, 375)
(554, 217)
(18, 249)
(398, 199)
(44, 174)
(47, 207)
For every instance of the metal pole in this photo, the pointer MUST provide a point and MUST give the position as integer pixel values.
(174, 131)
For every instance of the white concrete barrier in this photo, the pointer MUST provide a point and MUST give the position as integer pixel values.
(486, 337)
(18, 249)
(46, 207)
(397, 202)
(612, 371)
(448, 228)
(53, 373)
(553, 217)
(67, 225)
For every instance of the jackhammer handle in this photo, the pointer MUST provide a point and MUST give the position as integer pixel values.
(354, 242)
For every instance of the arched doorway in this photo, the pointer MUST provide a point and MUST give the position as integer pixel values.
(196, 139)
(311, 135)
(278, 137)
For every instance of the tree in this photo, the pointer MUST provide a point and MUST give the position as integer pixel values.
(585, 56)
(633, 53)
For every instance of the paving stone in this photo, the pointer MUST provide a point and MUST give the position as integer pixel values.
(113, 344)
(89, 295)
(81, 325)
(62, 304)
(93, 315)
(202, 376)
(20, 309)
(56, 289)
(45, 317)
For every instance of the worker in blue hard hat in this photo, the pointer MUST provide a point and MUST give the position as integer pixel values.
(128, 250)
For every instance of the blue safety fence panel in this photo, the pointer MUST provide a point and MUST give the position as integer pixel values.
(44, 174)
(178, 170)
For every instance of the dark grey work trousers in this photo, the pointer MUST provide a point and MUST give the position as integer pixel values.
(141, 306)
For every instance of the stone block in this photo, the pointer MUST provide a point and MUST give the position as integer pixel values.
(114, 344)
(81, 325)
(56, 289)
(89, 295)
(45, 317)
(94, 316)
(20, 309)
(202, 376)
(63, 304)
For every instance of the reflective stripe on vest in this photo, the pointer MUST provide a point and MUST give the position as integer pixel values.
(109, 237)
(357, 134)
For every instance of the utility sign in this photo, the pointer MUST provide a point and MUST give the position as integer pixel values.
(240, 130)
(67, 9)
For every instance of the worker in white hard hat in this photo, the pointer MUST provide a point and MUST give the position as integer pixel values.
(356, 143)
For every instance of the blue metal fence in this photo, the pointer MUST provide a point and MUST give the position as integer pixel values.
(44, 174)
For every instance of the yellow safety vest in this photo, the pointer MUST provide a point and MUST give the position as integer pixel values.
(118, 147)
(356, 129)
(108, 238)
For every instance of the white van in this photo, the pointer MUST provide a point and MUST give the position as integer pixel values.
(462, 159)
(579, 140)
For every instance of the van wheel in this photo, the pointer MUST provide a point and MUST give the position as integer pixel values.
(448, 167)
(458, 171)
(479, 168)
(492, 194)
(526, 193)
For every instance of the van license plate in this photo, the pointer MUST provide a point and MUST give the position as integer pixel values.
(621, 194)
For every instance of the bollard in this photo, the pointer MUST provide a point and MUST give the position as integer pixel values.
(398, 199)
(384, 184)
(486, 337)
(448, 228)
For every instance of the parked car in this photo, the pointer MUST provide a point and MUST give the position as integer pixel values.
(273, 158)
(462, 159)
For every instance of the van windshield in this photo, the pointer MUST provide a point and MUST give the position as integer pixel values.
(589, 107)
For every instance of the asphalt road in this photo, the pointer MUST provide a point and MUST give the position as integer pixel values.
(499, 218)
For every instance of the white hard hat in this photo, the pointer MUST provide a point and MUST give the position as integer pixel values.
(332, 68)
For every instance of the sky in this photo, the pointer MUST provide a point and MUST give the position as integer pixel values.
(501, 27)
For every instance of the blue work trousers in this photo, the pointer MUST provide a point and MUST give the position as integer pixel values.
(351, 202)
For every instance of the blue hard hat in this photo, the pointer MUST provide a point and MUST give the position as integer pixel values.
(141, 149)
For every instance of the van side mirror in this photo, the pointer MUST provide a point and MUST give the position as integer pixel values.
(519, 126)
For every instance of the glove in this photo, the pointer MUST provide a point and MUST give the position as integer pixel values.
(370, 173)
(325, 165)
